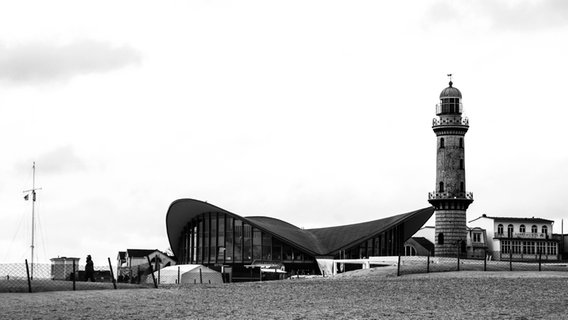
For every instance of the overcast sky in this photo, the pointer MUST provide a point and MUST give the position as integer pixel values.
(318, 113)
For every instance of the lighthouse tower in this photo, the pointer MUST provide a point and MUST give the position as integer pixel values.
(450, 197)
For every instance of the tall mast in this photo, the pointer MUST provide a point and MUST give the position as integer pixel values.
(33, 192)
(33, 215)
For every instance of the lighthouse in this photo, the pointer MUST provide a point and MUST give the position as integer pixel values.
(450, 198)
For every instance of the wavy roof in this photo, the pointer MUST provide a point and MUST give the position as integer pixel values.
(317, 242)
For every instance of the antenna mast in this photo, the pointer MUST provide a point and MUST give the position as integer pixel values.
(33, 192)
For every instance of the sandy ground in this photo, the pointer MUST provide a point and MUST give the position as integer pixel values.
(364, 294)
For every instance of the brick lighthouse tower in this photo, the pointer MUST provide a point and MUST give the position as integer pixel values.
(450, 198)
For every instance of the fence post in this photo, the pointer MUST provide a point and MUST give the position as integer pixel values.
(540, 260)
(179, 273)
(156, 267)
(111, 274)
(200, 276)
(29, 280)
(428, 264)
(152, 272)
(74, 274)
(511, 258)
(485, 261)
(398, 266)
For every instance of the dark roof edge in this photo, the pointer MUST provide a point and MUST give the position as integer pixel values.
(218, 209)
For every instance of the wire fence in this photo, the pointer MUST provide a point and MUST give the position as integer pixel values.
(67, 275)
(39, 277)
(426, 264)
(181, 275)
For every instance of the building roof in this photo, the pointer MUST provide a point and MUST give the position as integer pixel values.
(450, 92)
(516, 219)
(317, 242)
(425, 243)
(140, 253)
(64, 259)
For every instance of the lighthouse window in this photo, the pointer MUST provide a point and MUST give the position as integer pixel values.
(462, 188)
(441, 187)
(440, 238)
(461, 142)
(461, 163)
(441, 143)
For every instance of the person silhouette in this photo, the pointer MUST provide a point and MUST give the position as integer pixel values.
(89, 270)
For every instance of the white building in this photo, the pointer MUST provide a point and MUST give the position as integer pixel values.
(134, 261)
(62, 268)
(518, 238)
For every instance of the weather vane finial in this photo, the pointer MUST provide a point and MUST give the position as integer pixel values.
(450, 76)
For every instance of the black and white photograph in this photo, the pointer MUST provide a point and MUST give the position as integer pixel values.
(248, 159)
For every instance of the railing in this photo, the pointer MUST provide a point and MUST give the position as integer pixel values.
(450, 195)
(450, 122)
(522, 235)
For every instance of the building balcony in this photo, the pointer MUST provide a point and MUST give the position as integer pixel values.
(450, 195)
(450, 122)
(522, 235)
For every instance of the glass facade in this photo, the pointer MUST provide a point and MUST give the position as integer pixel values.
(387, 243)
(216, 238)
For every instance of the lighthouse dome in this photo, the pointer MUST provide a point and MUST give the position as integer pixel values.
(450, 92)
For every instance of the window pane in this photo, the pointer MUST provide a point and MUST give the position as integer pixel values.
(205, 238)
(238, 253)
(288, 256)
(276, 250)
(247, 236)
(229, 239)
(256, 244)
(194, 244)
(221, 238)
(199, 236)
(213, 238)
(266, 247)
(376, 247)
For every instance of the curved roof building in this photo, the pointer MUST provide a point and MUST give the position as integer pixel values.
(201, 233)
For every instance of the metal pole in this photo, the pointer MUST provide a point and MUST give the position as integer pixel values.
(156, 267)
(179, 273)
(428, 264)
(540, 260)
(74, 274)
(28, 273)
(200, 276)
(111, 274)
(33, 218)
(398, 266)
(151, 271)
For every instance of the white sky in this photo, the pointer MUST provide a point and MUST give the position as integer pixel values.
(314, 112)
